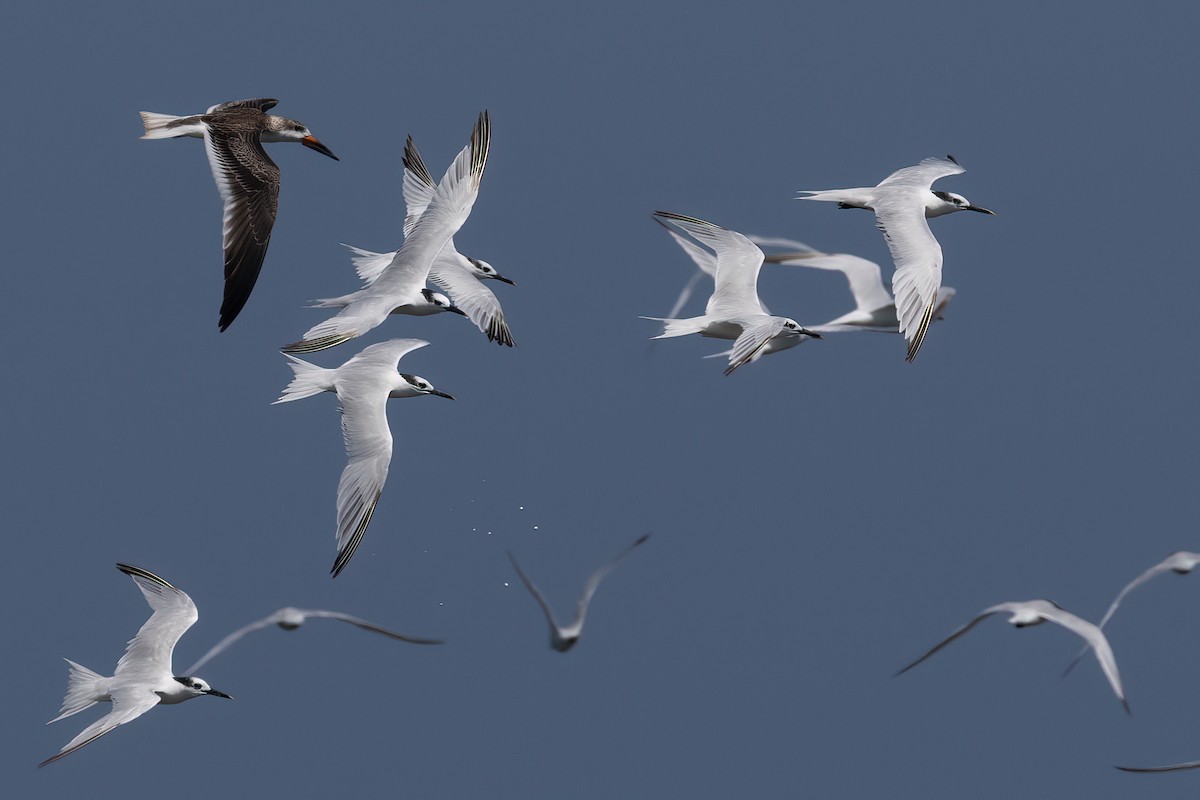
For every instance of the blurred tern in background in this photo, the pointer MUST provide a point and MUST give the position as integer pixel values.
(563, 637)
(1035, 612)
(1181, 563)
(292, 618)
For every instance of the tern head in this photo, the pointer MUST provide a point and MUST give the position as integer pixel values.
(441, 301)
(421, 386)
(485, 271)
(282, 129)
(951, 202)
(198, 686)
(790, 326)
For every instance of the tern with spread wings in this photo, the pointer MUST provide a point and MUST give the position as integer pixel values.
(564, 637)
(401, 285)
(363, 385)
(902, 203)
(143, 678)
(1034, 612)
(734, 311)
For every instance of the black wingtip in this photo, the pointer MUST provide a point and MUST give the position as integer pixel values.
(952, 159)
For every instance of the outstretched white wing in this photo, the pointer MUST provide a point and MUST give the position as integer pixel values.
(363, 384)
(738, 262)
(918, 258)
(149, 652)
(127, 704)
(409, 269)
(924, 174)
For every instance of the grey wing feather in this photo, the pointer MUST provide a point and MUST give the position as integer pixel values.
(924, 173)
(533, 590)
(982, 616)
(222, 645)
(749, 345)
(470, 295)
(1157, 569)
(1171, 768)
(593, 582)
(370, 626)
(149, 651)
(126, 706)
(419, 186)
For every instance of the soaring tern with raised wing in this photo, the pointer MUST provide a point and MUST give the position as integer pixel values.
(143, 678)
(292, 618)
(902, 202)
(1181, 563)
(247, 178)
(363, 385)
(1035, 612)
(458, 275)
(402, 282)
(564, 637)
(734, 311)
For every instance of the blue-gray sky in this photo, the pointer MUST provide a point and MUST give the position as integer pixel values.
(819, 518)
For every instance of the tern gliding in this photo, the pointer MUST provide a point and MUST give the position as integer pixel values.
(401, 285)
(734, 311)
(1035, 612)
(902, 202)
(292, 618)
(363, 385)
(459, 276)
(143, 678)
(563, 637)
(1181, 563)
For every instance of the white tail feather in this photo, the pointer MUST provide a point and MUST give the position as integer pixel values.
(156, 126)
(335, 302)
(678, 327)
(310, 379)
(83, 690)
(368, 264)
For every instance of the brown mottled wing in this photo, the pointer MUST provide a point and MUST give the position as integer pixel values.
(249, 184)
(263, 104)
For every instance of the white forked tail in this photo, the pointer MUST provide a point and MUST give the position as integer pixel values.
(83, 690)
(678, 327)
(310, 379)
(369, 265)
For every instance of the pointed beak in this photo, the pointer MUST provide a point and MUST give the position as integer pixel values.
(980, 209)
(215, 693)
(442, 394)
(503, 279)
(457, 310)
(314, 143)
